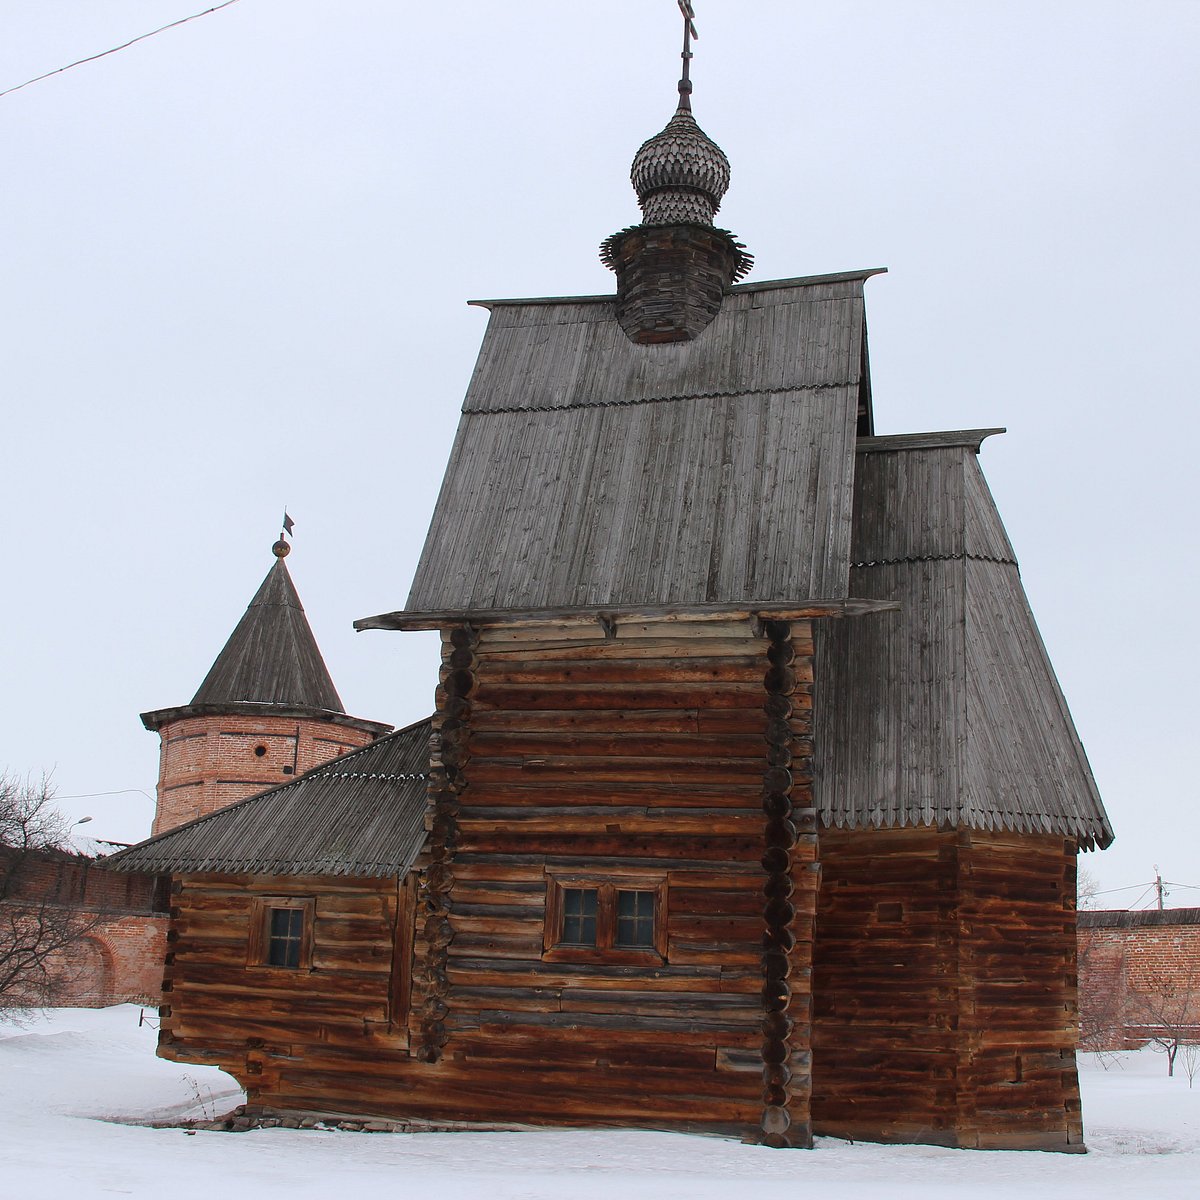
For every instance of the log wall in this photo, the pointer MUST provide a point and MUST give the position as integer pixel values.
(274, 1029)
(944, 976)
(671, 757)
(674, 754)
(639, 753)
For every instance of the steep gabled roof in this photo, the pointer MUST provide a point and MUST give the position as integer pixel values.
(947, 711)
(589, 471)
(362, 814)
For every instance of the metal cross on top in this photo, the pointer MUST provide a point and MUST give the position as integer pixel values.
(689, 32)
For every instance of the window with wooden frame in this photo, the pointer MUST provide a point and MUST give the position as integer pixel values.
(596, 918)
(281, 933)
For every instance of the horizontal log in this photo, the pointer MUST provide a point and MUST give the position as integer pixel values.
(550, 772)
(524, 697)
(662, 848)
(509, 894)
(477, 823)
(621, 743)
(691, 873)
(689, 953)
(499, 1019)
(588, 628)
(628, 649)
(743, 669)
(690, 792)
(717, 930)
(601, 1040)
(701, 1008)
(501, 973)
(743, 901)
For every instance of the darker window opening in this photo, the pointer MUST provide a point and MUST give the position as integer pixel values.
(286, 937)
(579, 916)
(635, 919)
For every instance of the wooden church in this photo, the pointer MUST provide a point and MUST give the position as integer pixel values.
(750, 804)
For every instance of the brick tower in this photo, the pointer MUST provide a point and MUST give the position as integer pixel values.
(266, 711)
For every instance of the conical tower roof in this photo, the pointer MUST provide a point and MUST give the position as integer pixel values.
(270, 665)
(272, 656)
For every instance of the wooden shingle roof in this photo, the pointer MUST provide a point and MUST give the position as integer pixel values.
(271, 656)
(362, 814)
(947, 710)
(271, 664)
(591, 472)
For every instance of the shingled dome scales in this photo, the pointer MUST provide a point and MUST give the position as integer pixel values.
(272, 656)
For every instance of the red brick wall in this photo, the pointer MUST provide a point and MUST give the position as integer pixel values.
(119, 962)
(208, 762)
(64, 878)
(1132, 976)
(120, 959)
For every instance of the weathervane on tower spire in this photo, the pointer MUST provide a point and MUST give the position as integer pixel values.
(689, 32)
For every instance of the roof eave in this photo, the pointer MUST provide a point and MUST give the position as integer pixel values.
(767, 610)
(948, 439)
(159, 717)
(765, 285)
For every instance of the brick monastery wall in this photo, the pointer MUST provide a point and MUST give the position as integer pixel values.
(119, 962)
(207, 762)
(1129, 975)
(120, 959)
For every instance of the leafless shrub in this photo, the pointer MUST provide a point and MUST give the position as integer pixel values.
(41, 918)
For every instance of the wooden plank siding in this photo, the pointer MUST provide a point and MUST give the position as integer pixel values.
(944, 976)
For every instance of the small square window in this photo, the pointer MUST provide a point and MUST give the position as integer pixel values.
(281, 932)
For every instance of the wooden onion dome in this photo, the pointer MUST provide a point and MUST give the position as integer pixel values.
(674, 268)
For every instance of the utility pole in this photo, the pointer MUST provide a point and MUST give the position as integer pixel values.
(1158, 887)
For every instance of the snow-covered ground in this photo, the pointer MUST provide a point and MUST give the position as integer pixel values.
(68, 1081)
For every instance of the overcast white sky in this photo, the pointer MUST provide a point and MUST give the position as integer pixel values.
(234, 260)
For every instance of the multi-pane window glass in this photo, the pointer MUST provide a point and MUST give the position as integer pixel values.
(579, 916)
(285, 937)
(635, 919)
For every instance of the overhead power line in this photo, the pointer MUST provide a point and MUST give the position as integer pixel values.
(123, 46)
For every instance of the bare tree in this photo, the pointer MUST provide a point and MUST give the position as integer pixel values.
(41, 918)
(1165, 1010)
(1191, 1061)
(1087, 889)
